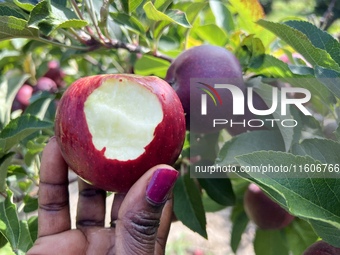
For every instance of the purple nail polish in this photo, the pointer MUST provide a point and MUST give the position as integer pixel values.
(52, 138)
(160, 185)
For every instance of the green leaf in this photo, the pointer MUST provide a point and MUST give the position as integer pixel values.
(305, 191)
(327, 232)
(7, 11)
(269, 242)
(15, 231)
(219, 190)
(130, 22)
(161, 5)
(188, 206)
(5, 162)
(8, 89)
(193, 10)
(20, 128)
(12, 27)
(248, 11)
(265, 92)
(273, 67)
(212, 34)
(300, 235)
(39, 107)
(223, 16)
(48, 17)
(5, 246)
(175, 16)
(320, 39)
(210, 205)
(148, 65)
(27, 5)
(330, 78)
(33, 227)
(301, 44)
(31, 204)
(247, 143)
(251, 52)
(323, 150)
(239, 225)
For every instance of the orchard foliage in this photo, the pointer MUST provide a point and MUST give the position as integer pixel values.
(90, 37)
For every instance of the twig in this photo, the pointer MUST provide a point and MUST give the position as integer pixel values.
(94, 20)
(327, 16)
(80, 15)
(4, 195)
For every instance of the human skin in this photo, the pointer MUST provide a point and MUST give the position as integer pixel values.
(140, 223)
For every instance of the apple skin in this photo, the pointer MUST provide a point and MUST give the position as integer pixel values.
(263, 211)
(205, 61)
(321, 248)
(75, 139)
(45, 84)
(22, 98)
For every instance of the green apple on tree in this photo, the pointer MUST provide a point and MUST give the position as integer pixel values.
(113, 128)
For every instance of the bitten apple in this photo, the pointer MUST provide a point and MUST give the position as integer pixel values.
(263, 211)
(113, 128)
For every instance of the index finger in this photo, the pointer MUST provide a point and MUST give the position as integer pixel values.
(53, 213)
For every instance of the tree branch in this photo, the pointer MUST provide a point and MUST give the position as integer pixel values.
(327, 18)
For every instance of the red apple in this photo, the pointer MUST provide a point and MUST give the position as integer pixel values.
(263, 211)
(113, 128)
(321, 248)
(55, 73)
(211, 65)
(22, 98)
(45, 84)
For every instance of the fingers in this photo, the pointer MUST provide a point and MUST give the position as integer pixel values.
(91, 206)
(54, 216)
(140, 213)
(117, 201)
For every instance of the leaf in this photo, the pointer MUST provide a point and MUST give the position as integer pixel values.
(148, 65)
(249, 11)
(12, 27)
(210, 205)
(247, 143)
(219, 190)
(188, 206)
(5, 162)
(250, 52)
(239, 225)
(20, 128)
(273, 67)
(48, 17)
(130, 22)
(193, 10)
(161, 5)
(212, 34)
(269, 242)
(305, 191)
(323, 150)
(320, 39)
(327, 232)
(300, 235)
(15, 231)
(31, 204)
(175, 16)
(265, 92)
(223, 16)
(329, 78)
(27, 5)
(8, 89)
(7, 11)
(301, 44)
(39, 107)
(33, 227)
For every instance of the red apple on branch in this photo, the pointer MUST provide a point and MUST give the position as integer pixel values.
(263, 211)
(113, 128)
(22, 98)
(321, 248)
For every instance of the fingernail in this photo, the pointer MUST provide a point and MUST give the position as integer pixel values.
(160, 185)
(52, 138)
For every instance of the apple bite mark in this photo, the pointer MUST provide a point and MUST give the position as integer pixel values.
(122, 117)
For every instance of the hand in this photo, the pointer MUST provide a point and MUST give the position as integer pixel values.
(140, 220)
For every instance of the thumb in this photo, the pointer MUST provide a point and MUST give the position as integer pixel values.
(142, 223)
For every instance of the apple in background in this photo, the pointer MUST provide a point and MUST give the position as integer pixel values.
(56, 74)
(263, 211)
(205, 61)
(45, 84)
(22, 98)
(321, 248)
(112, 128)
